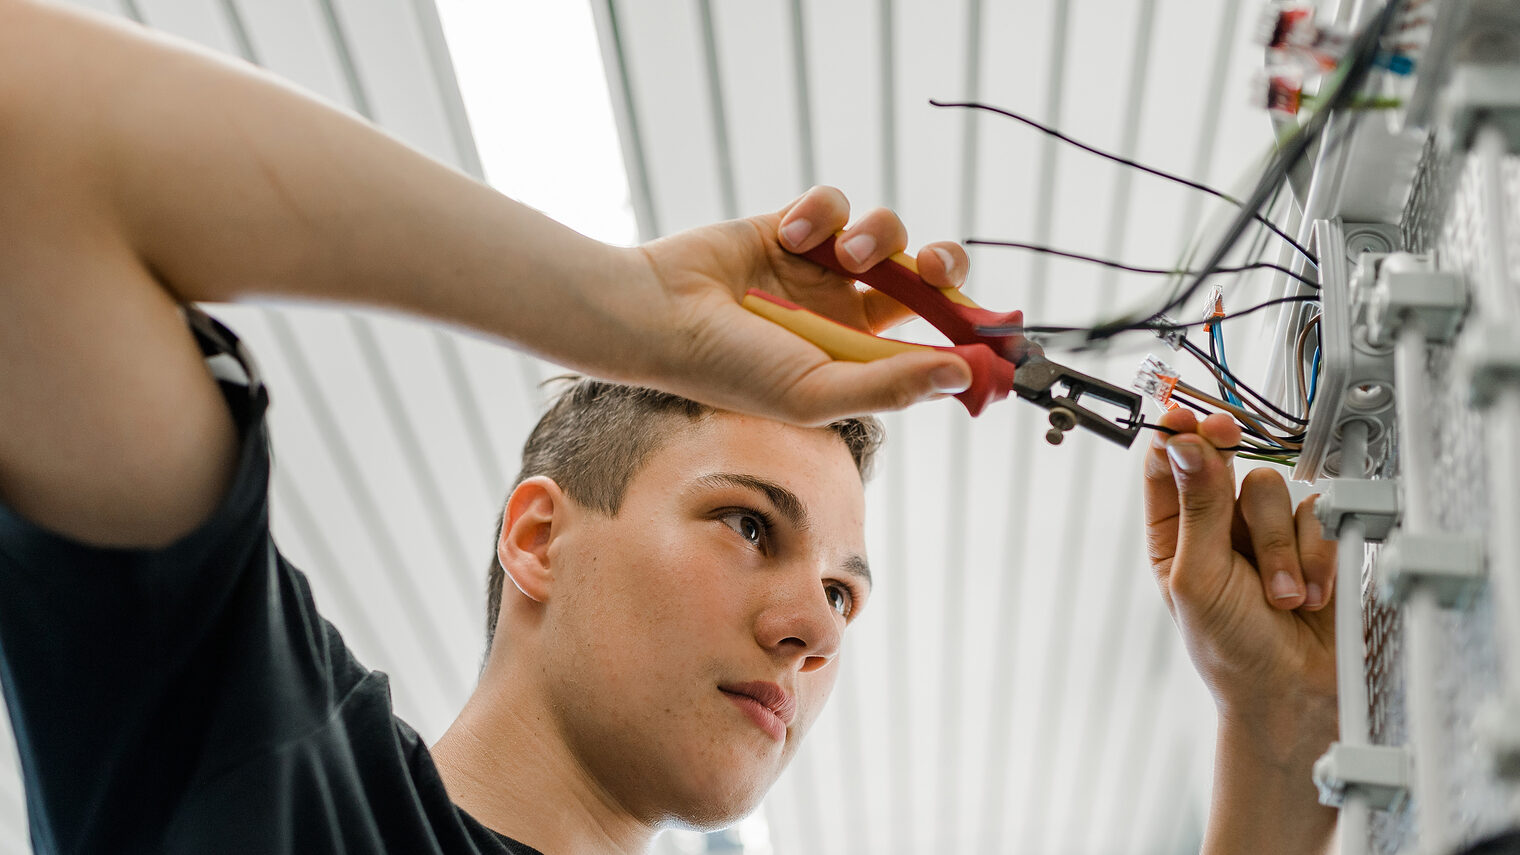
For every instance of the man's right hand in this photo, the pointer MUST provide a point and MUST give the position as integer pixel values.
(723, 355)
(1249, 582)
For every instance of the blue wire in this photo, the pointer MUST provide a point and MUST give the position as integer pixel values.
(1218, 333)
(1314, 375)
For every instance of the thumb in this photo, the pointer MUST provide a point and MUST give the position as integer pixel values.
(1206, 509)
(839, 388)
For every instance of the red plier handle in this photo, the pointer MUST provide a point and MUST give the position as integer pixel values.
(950, 311)
(946, 309)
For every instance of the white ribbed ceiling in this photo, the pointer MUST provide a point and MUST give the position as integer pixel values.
(1017, 686)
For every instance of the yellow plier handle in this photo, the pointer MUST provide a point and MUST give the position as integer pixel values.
(991, 376)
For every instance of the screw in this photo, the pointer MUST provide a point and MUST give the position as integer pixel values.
(1061, 421)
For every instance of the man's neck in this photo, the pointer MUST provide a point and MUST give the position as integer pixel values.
(506, 766)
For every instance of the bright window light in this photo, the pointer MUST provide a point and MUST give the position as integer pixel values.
(533, 85)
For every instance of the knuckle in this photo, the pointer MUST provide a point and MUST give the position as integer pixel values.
(1275, 543)
(900, 397)
(1200, 502)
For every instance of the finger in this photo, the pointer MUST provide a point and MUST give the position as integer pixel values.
(1268, 512)
(1316, 556)
(812, 217)
(836, 389)
(1206, 507)
(1162, 509)
(876, 237)
(1240, 536)
(943, 264)
(1223, 431)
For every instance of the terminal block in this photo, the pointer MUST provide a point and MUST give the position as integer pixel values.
(1375, 503)
(1450, 565)
(1475, 94)
(1409, 286)
(1379, 772)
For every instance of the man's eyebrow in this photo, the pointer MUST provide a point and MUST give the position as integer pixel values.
(788, 504)
(783, 499)
(856, 565)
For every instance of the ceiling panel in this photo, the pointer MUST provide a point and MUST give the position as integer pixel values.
(1016, 686)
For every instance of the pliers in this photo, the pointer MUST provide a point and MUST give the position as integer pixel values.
(992, 343)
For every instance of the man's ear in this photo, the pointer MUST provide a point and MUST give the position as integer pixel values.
(523, 549)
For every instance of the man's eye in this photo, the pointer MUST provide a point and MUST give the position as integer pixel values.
(840, 599)
(749, 526)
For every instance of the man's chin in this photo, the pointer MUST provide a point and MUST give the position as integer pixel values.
(714, 802)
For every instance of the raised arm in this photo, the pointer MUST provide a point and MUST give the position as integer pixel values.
(140, 172)
(1249, 582)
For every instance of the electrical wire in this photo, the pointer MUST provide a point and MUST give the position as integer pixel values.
(1247, 451)
(1157, 271)
(1362, 53)
(1149, 325)
(1214, 366)
(1298, 361)
(1314, 376)
(1241, 413)
(1223, 375)
(977, 105)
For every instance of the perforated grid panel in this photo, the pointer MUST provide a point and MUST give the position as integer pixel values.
(1443, 216)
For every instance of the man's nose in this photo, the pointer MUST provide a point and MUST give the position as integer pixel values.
(799, 624)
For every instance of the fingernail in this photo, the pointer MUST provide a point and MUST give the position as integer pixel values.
(1283, 586)
(949, 262)
(1315, 596)
(859, 248)
(795, 232)
(1185, 456)
(1159, 440)
(950, 379)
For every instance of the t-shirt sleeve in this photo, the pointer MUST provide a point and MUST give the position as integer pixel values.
(128, 673)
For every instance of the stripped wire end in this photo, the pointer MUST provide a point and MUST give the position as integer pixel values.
(1157, 380)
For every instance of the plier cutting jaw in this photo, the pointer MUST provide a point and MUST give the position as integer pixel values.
(1001, 359)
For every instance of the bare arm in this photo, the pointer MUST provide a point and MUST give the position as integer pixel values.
(1249, 582)
(141, 173)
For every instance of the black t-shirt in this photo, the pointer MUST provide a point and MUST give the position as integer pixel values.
(192, 700)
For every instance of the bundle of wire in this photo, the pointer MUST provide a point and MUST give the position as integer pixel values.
(1270, 432)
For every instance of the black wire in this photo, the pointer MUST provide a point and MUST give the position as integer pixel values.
(1156, 326)
(976, 105)
(1158, 271)
(1141, 423)
(1362, 53)
(1239, 384)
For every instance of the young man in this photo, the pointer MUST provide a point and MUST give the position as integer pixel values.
(661, 645)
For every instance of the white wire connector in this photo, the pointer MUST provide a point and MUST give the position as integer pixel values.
(1213, 310)
(1157, 380)
(1168, 331)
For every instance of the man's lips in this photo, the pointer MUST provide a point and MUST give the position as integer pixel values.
(768, 705)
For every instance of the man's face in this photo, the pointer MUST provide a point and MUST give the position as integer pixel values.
(695, 636)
